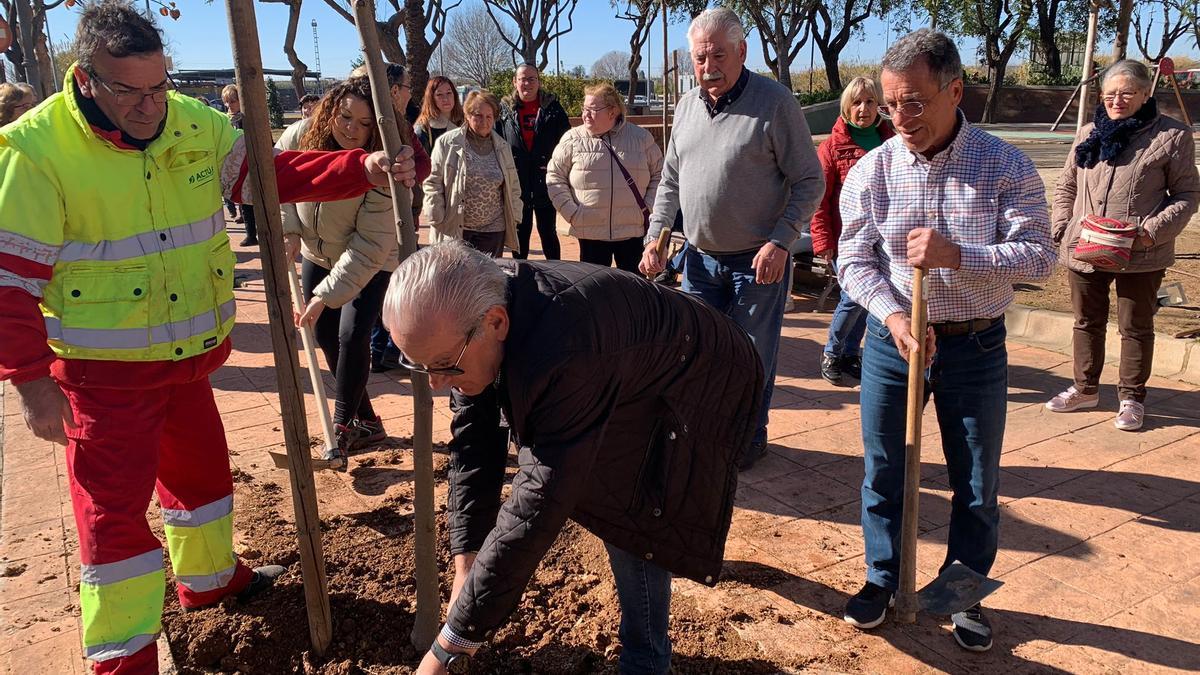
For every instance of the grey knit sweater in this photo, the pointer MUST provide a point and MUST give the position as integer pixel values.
(745, 177)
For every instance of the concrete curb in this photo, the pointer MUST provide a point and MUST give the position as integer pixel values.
(1173, 358)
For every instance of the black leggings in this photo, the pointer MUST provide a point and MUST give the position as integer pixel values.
(344, 334)
(627, 252)
(545, 227)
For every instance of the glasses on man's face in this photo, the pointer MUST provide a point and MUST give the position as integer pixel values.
(908, 108)
(446, 371)
(595, 111)
(127, 96)
(1120, 95)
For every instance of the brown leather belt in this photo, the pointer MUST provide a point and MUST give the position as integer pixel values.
(952, 328)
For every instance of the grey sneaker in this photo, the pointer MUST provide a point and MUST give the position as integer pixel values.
(972, 630)
(1071, 400)
(1131, 416)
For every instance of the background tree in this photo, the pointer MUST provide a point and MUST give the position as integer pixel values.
(417, 19)
(642, 14)
(274, 107)
(832, 26)
(538, 24)
(473, 50)
(299, 68)
(611, 66)
(1121, 39)
(783, 30)
(1171, 30)
(1001, 26)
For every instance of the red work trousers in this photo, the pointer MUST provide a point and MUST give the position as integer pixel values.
(128, 444)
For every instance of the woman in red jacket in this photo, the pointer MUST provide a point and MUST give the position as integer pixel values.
(857, 131)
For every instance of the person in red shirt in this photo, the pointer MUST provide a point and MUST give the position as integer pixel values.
(533, 121)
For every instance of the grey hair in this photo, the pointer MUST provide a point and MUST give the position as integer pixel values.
(718, 19)
(448, 279)
(929, 47)
(1136, 70)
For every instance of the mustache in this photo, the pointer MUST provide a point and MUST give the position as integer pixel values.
(712, 77)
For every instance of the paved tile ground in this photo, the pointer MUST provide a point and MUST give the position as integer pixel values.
(1100, 546)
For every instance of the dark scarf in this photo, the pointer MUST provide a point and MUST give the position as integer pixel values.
(1109, 137)
(99, 121)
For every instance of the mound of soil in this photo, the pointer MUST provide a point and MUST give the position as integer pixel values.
(566, 623)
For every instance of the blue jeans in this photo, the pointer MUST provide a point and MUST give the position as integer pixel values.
(969, 384)
(726, 282)
(847, 326)
(644, 591)
(381, 343)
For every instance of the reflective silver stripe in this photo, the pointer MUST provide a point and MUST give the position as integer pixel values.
(136, 338)
(144, 243)
(33, 287)
(122, 570)
(201, 583)
(115, 650)
(30, 249)
(199, 516)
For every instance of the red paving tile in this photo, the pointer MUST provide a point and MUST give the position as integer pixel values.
(1100, 534)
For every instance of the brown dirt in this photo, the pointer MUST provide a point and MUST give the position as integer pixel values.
(566, 622)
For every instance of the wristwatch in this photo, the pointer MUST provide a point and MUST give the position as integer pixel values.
(456, 664)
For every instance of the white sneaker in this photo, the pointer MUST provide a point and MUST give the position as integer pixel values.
(1131, 416)
(1072, 400)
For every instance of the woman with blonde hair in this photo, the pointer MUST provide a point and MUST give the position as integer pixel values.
(15, 100)
(473, 192)
(602, 178)
(857, 131)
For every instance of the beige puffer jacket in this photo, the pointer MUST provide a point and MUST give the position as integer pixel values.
(444, 188)
(587, 187)
(1152, 183)
(353, 238)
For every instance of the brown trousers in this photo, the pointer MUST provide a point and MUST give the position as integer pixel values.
(1137, 301)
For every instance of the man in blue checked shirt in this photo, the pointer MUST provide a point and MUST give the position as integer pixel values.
(970, 209)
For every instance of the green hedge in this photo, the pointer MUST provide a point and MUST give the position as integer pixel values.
(568, 89)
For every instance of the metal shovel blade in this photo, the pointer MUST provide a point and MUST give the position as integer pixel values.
(956, 589)
(281, 462)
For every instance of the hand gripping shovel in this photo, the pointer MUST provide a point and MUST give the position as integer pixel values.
(957, 587)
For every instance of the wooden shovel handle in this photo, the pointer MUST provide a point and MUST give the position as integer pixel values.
(906, 600)
(660, 246)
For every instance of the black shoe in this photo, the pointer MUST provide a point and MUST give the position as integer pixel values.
(371, 432)
(249, 242)
(665, 277)
(831, 368)
(239, 220)
(972, 631)
(868, 608)
(755, 452)
(852, 366)
(377, 366)
(263, 579)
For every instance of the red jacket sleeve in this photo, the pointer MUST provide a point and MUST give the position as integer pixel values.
(826, 225)
(24, 354)
(313, 176)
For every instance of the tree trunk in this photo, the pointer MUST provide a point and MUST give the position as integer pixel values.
(783, 65)
(634, 61)
(993, 97)
(832, 72)
(389, 40)
(1121, 39)
(419, 50)
(1050, 51)
(299, 68)
(41, 52)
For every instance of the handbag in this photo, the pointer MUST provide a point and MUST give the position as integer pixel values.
(1105, 243)
(637, 194)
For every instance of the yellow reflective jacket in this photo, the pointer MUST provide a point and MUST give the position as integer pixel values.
(142, 269)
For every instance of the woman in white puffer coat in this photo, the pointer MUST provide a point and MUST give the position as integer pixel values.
(605, 207)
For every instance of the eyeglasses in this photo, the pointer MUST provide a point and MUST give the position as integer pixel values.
(448, 371)
(595, 111)
(1122, 95)
(908, 108)
(125, 96)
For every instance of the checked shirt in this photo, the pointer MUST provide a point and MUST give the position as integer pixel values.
(980, 192)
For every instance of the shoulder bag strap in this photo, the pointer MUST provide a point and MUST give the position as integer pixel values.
(637, 195)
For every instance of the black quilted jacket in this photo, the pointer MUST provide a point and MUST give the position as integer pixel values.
(552, 122)
(630, 404)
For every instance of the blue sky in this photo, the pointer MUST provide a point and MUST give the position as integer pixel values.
(200, 39)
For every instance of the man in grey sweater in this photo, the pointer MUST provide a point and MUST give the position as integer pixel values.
(742, 166)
